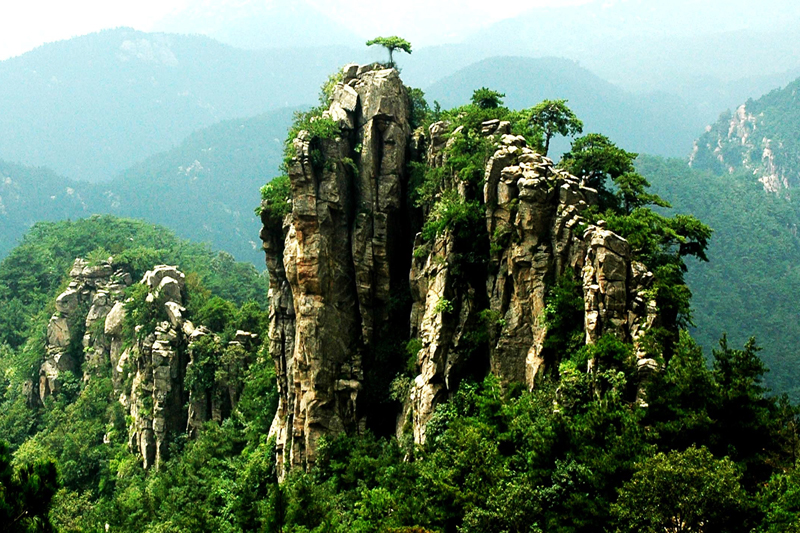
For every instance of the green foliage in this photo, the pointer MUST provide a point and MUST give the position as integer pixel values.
(486, 98)
(770, 123)
(599, 162)
(564, 316)
(682, 491)
(391, 44)
(141, 316)
(421, 112)
(217, 314)
(452, 213)
(201, 374)
(579, 453)
(659, 241)
(276, 200)
(34, 271)
(554, 117)
(747, 286)
(26, 493)
(326, 91)
(443, 306)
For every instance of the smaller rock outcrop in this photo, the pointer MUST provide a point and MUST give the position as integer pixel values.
(75, 333)
(172, 364)
(158, 360)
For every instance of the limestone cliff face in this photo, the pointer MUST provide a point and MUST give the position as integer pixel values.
(345, 249)
(334, 264)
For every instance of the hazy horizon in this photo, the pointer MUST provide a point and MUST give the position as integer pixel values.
(425, 23)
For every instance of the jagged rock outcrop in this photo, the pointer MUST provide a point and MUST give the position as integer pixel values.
(149, 361)
(337, 259)
(157, 363)
(345, 249)
(74, 333)
(533, 217)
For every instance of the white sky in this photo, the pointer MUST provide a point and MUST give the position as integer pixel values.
(26, 24)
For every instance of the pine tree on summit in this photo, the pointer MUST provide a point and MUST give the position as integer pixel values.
(391, 44)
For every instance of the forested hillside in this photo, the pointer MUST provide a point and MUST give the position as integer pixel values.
(761, 138)
(748, 286)
(215, 171)
(29, 195)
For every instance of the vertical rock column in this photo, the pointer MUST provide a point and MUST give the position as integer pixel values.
(533, 217)
(157, 396)
(331, 276)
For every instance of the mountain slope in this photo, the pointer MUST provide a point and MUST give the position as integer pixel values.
(92, 106)
(215, 172)
(657, 124)
(761, 137)
(204, 189)
(749, 286)
(29, 195)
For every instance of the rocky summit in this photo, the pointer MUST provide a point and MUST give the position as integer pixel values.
(346, 252)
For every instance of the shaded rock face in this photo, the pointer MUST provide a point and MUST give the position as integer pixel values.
(337, 260)
(217, 400)
(75, 332)
(342, 254)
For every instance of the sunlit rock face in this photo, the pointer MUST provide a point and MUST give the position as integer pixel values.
(533, 215)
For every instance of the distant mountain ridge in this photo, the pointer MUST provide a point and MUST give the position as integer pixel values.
(659, 124)
(204, 189)
(91, 106)
(218, 169)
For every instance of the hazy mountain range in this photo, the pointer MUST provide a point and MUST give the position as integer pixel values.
(120, 106)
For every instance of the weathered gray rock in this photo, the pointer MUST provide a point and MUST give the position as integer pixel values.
(174, 312)
(67, 302)
(158, 363)
(114, 319)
